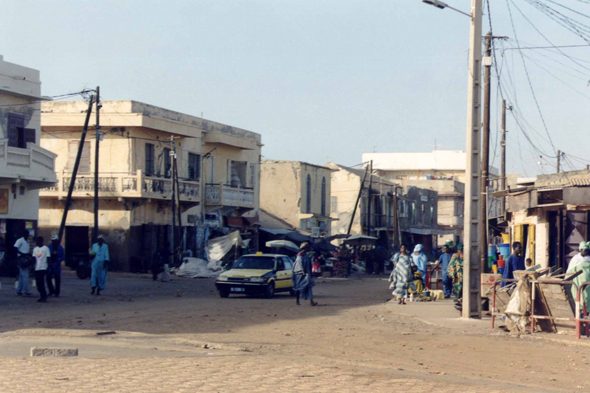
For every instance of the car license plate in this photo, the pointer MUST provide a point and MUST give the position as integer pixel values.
(237, 289)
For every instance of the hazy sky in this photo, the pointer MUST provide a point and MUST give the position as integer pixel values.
(320, 80)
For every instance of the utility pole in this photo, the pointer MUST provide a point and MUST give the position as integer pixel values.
(370, 198)
(558, 161)
(485, 158)
(503, 179)
(64, 217)
(173, 198)
(358, 198)
(472, 266)
(177, 184)
(96, 149)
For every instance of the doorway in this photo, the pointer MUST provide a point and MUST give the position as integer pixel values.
(77, 244)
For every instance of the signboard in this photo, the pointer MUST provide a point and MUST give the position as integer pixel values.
(3, 201)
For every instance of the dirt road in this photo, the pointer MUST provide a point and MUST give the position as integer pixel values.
(353, 341)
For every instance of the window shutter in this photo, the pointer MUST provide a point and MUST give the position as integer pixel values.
(149, 159)
(29, 135)
(84, 160)
(14, 123)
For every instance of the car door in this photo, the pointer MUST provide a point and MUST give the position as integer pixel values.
(282, 277)
(288, 271)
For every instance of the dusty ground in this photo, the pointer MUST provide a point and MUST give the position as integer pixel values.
(192, 340)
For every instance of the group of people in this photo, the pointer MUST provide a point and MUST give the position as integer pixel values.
(47, 261)
(409, 273)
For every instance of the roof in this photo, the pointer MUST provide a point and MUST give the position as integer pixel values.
(269, 161)
(361, 173)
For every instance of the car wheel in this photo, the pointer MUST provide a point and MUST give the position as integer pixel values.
(224, 293)
(270, 291)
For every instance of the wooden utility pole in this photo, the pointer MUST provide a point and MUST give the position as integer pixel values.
(485, 158)
(370, 197)
(178, 211)
(64, 217)
(173, 198)
(558, 161)
(358, 198)
(96, 178)
(503, 180)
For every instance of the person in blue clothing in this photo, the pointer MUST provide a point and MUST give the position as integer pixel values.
(58, 255)
(420, 260)
(303, 281)
(100, 265)
(444, 260)
(514, 262)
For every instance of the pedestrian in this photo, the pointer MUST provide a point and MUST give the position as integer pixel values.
(528, 263)
(401, 275)
(444, 260)
(403, 250)
(455, 272)
(514, 262)
(420, 260)
(582, 263)
(303, 281)
(100, 265)
(581, 256)
(24, 262)
(58, 256)
(42, 255)
(165, 263)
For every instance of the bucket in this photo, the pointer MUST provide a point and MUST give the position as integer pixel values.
(504, 249)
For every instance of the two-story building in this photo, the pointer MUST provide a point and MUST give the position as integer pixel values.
(25, 167)
(298, 193)
(135, 176)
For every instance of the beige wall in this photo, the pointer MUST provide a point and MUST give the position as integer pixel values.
(284, 187)
(541, 234)
(345, 187)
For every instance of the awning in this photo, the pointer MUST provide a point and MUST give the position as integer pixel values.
(287, 234)
(235, 222)
(249, 221)
(431, 231)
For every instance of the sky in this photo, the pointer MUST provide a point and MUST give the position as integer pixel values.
(320, 80)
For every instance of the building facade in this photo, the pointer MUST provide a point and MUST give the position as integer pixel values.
(25, 167)
(298, 193)
(135, 177)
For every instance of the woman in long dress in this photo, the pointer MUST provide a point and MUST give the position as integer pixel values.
(455, 271)
(402, 275)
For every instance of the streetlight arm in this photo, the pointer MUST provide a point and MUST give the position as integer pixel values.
(459, 11)
(443, 5)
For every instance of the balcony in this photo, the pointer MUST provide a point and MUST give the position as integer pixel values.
(34, 165)
(225, 195)
(122, 185)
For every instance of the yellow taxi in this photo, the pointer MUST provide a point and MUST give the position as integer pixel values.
(257, 274)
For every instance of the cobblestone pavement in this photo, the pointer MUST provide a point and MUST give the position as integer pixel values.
(211, 374)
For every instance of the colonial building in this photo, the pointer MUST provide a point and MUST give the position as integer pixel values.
(298, 193)
(135, 184)
(442, 171)
(25, 167)
(396, 215)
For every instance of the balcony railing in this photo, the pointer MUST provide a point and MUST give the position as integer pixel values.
(225, 195)
(125, 185)
(378, 220)
(32, 163)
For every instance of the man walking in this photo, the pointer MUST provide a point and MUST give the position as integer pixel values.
(58, 255)
(302, 279)
(513, 263)
(100, 265)
(444, 260)
(42, 255)
(23, 261)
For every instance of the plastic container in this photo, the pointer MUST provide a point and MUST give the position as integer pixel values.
(492, 251)
(495, 268)
(504, 249)
(501, 262)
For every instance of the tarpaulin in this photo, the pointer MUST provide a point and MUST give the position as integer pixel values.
(217, 248)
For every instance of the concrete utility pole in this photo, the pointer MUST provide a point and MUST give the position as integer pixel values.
(503, 181)
(472, 265)
(96, 182)
(358, 198)
(485, 157)
(64, 217)
(558, 161)
(370, 197)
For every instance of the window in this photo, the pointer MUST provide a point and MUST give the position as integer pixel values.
(423, 207)
(18, 135)
(334, 204)
(194, 166)
(414, 220)
(280, 264)
(288, 264)
(323, 196)
(149, 159)
(211, 169)
(237, 173)
(432, 214)
(308, 195)
(167, 162)
(84, 159)
(252, 175)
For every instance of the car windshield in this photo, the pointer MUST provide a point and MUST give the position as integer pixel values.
(261, 263)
